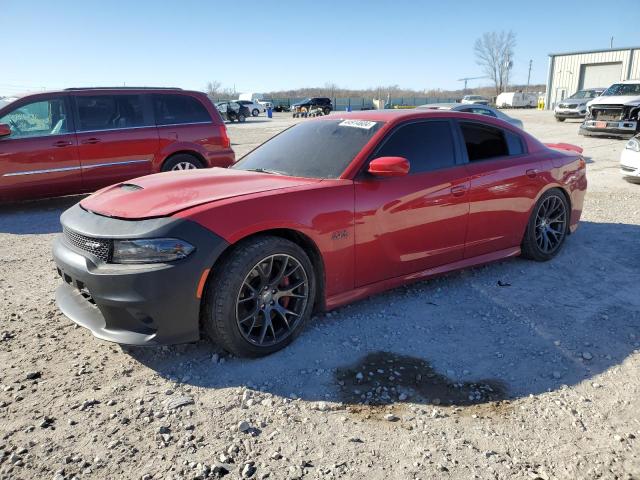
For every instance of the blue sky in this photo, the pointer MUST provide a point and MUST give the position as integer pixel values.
(265, 45)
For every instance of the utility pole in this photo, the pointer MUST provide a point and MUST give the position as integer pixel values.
(529, 76)
(611, 43)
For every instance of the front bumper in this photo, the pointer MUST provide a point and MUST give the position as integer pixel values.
(609, 128)
(630, 164)
(152, 304)
(569, 113)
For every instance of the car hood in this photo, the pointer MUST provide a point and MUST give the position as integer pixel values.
(164, 194)
(616, 100)
(575, 101)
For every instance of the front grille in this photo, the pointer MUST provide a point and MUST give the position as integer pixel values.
(99, 247)
(609, 113)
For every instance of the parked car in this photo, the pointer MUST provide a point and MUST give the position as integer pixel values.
(475, 100)
(254, 107)
(614, 113)
(233, 111)
(80, 140)
(630, 160)
(479, 109)
(248, 253)
(575, 106)
(281, 107)
(315, 102)
(266, 104)
(516, 100)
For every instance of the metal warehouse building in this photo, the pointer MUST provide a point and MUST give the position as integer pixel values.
(572, 71)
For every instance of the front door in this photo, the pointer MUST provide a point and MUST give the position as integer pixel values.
(416, 222)
(40, 156)
(117, 138)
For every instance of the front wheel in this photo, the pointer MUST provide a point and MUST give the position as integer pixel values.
(255, 112)
(560, 119)
(259, 297)
(547, 227)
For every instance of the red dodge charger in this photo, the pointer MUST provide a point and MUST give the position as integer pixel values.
(327, 212)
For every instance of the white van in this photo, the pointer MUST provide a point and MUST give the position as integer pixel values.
(516, 100)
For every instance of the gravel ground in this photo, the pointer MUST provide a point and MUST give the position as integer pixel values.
(542, 362)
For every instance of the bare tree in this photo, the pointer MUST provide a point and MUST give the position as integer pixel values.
(494, 53)
(213, 88)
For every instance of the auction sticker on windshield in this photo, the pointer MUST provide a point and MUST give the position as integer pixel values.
(364, 124)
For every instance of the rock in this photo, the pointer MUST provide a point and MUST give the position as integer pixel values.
(34, 375)
(177, 402)
(248, 470)
(390, 417)
(359, 376)
(587, 355)
(244, 426)
(276, 456)
(221, 469)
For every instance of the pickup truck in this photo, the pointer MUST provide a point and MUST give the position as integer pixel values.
(614, 113)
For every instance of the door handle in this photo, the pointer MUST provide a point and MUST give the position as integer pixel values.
(62, 143)
(458, 190)
(532, 173)
(91, 141)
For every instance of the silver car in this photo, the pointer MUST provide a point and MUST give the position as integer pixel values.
(480, 109)
(575, 106)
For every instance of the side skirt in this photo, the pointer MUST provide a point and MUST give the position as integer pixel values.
(359, 293)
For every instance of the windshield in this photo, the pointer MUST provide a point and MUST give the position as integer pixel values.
(585, 94)
(314, 149)
(624, 89)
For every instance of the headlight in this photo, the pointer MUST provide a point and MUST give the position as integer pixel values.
(633, 144)
(150, 250)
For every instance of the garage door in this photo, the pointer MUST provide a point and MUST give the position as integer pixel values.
(600, 74)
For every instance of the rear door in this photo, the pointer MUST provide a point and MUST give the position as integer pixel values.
(40, 156)
(117, 137)
(504, 182)
(416, 222)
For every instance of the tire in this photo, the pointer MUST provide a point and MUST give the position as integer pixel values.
(560, 119)
(544, 237)
(255, 112)
(233, 298)
(326, 111)
(181, 161)
(241, 118)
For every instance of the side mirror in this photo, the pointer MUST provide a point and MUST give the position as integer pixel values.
(389, 167)
(5, 130)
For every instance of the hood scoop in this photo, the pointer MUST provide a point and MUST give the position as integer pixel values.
(130, 187)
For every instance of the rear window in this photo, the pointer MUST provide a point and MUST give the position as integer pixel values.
(177, 109)
(109, 112)
(484, 142)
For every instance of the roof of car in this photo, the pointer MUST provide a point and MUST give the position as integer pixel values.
(105, 89)
(396, 114)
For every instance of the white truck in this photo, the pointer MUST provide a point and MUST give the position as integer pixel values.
(614, 113)
(516, 100)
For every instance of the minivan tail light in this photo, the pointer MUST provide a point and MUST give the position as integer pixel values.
(226, 141)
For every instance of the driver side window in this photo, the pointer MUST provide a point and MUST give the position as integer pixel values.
(38, 119)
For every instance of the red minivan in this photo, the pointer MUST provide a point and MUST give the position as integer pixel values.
(82, 139)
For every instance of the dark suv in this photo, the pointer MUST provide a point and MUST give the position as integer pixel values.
(80, 140)
(314, 102)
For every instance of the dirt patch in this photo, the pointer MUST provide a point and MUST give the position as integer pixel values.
(383, 378)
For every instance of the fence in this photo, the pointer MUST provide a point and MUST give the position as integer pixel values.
(361, 103)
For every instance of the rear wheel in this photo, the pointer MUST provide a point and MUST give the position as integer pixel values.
(560, 119)
(547, 227)
(182, 161)
(259, 297)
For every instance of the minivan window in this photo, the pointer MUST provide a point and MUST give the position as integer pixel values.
(176, 109)
(483, 141)
(109, 112)
(38, 119)
(427, 145)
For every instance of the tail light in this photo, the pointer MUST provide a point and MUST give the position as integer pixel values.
(226, 141)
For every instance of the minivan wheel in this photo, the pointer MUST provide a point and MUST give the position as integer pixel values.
(255, 112)
(182, 161)
(259, 297)
(547, 227)
(242, 118)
